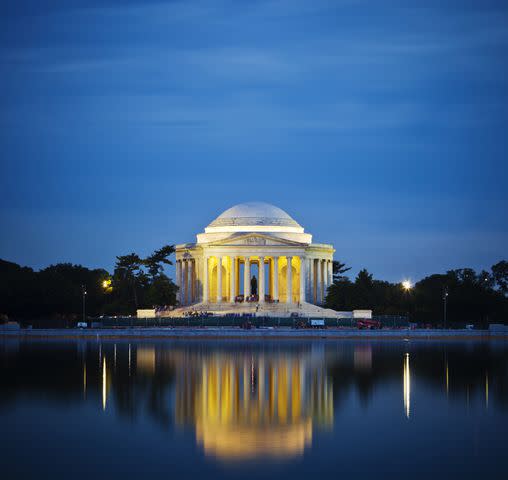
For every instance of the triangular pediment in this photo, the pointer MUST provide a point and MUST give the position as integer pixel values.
(255, 240)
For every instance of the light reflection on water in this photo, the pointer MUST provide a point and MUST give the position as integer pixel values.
(274, 401)
(407, 385)
(256, 405)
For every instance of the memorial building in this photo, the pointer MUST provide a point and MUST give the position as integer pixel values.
(253, 256)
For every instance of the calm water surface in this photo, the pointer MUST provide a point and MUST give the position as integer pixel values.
(234, 409)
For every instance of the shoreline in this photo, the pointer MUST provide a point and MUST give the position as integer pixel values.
(189, 333)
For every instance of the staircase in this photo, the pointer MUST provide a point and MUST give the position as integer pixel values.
(265, 309)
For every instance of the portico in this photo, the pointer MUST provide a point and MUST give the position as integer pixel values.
(253, 239)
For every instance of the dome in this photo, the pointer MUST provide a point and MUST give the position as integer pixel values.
(254, 216)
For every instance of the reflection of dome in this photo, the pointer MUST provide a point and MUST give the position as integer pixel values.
(262, 216)
(242, 442)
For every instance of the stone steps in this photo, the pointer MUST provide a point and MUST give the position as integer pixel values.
(265, 309)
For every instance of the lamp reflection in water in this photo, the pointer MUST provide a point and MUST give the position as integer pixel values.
(247, 407)
(407, 385)
(84, 380)
(104, 384)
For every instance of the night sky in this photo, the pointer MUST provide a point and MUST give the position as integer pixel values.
(380, 126)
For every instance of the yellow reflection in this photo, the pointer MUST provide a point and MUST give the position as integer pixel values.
(407, 385)
(248, 408)
(145, 359)
(84, 379)
(104, 379)
(129, 359)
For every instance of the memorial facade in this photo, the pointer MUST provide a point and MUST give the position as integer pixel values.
(253, 240)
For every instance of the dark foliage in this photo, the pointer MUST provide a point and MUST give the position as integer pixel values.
(56, 292)
(478, 298)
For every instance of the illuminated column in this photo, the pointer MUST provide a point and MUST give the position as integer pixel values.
(317, 274)
(219, 279)
(178, 279)
(205, 279)
(261, 288)
(302, 279)
(323, 281)
(312, 287)
(275, 278)
(232, 287)
(190, 274)
(330, 272)
(289, 278)
(183, 283)
(246, 278)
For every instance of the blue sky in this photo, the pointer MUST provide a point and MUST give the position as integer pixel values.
(380, 126)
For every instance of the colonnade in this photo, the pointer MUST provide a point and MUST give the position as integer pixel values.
(299, 278)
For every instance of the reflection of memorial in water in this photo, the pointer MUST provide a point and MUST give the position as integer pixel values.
(246, 406)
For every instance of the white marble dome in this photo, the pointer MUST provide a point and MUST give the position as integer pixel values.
(254, 216)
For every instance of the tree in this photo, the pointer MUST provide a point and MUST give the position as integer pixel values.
(128, 270)
(338, 270)
(156, 261)
(500, 275)
(162, 291)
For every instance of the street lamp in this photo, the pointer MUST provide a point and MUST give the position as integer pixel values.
(83, 291)
(406, 286)
(445, 297)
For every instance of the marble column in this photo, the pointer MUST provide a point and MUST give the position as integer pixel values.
(179, 279)
(205, 280)
(246, 278)
(183, 283)
(289, 278)
(330, 272)
(232, 287)
(190, 281)
(317, 274)
(321, 281)
(275, 278)
(261, 285)
(312, 288)
(219, 279)
(302, 279)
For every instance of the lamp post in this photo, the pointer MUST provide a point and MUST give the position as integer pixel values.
(83, 291)
(406, 286)
(445, 297)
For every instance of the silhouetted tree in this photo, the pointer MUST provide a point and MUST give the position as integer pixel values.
(500, 276)
(155, 262)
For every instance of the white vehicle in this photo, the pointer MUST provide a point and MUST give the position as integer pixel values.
(470, 327)
(82, 325)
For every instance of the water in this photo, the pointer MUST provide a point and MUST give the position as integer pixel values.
(235, 409)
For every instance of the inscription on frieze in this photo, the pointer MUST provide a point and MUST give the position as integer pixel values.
(255, 241)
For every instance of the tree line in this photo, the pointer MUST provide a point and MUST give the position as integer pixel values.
(57, 291)
(470, 296)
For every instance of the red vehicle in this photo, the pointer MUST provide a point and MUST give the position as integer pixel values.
(368, 324)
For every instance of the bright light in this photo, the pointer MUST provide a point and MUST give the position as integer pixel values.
(407, 385)
(106, 284)
(407, 285)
